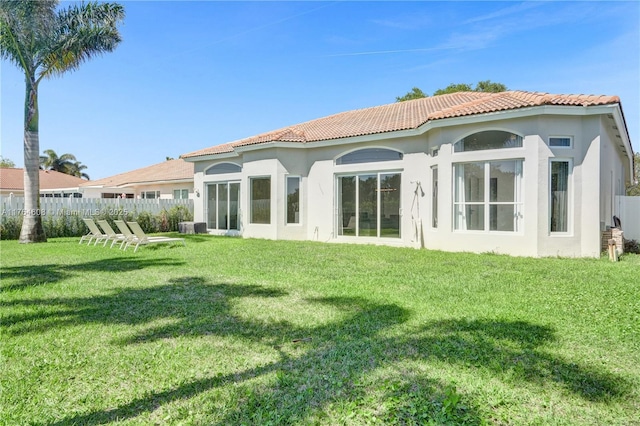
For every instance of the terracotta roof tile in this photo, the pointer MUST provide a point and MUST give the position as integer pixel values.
(406, 115)
(165, 171)
(13, 179)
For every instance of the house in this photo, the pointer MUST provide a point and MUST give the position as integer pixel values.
(52, 183)
(521, 173)
(171, 179)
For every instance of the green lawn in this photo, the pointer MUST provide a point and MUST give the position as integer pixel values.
(232, 331)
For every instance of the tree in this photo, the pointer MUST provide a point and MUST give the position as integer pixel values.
(45, 42)
(489, 86)
(76, 169)
(482, 86)
(51, 161)
(5, 163)
(453, 88)
(415, 93)
(66, 163)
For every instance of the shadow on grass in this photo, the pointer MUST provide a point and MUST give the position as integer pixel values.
(512, 349)
(20, 277)
(333, 371)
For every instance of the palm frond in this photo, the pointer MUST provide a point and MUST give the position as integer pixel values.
(26, 29)
(83, 31)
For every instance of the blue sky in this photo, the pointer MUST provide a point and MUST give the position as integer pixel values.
(189, 75)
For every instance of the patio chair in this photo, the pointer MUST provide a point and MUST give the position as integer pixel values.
(111, 234)
(126, 232)
(140, 238)
(94, 233)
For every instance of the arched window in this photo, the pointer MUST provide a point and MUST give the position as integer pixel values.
(223, 168)
(491, 139)
(369, 155)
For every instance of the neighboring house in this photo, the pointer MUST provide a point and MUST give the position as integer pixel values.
(171, 179)
(52, 183)
(522, 173)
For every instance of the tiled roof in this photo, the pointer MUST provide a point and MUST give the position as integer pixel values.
(166, 171)
(406, 115)
(13, 179)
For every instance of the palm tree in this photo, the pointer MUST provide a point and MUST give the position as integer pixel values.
(51, 161)
(45, 42)
(66, 163)
(76, 169)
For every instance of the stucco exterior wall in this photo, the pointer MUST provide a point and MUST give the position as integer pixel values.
(596, 170)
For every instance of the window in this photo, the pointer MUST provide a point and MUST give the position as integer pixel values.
(260, 199)
(559, 193)
(488, 196)
(369, 205)
(369, 155)
(149, 195)
(492, 139)
(434, 197)
(223, 168)
(293, 199)
(180, 194)
(222, 205)
(562, 142)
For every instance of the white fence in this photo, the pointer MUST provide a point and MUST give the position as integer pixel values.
(629, 214)
(85, 207)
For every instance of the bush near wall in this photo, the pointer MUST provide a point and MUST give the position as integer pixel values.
(66, 223)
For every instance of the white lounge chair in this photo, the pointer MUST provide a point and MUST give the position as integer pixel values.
(140, 238)
(111, 234)
(124, 229)
(94, 233)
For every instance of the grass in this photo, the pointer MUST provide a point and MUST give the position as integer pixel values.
(232, 331)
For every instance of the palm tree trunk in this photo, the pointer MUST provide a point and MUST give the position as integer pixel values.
(32, 231)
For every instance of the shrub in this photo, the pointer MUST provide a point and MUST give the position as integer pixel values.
(68, 223)
(631, 246)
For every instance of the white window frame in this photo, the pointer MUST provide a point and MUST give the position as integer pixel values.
(569, 231)
(207, 185)
(286, 200)
(250, 197)
(357, 174)
(560, 137)
(181, 193)
(435, 196)
(486, 203)
(143, 195)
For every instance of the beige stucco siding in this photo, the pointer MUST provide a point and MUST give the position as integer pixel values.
(597, 173)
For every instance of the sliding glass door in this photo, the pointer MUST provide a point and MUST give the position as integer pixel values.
(369, 205)
(222, 206)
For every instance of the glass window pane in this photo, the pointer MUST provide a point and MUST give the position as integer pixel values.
(502, 177)
(293, 200)
(223, 168)
(559, 196)
(434, 197)
(502, 217)
(564, 142)
(474, 217)
(223, 195)
(369, 155)
(261, 200)
(368, 205)
(390, 205)
(347, 205)
(492, 139)
(234, 196)
(212, 197)
(469, 182)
